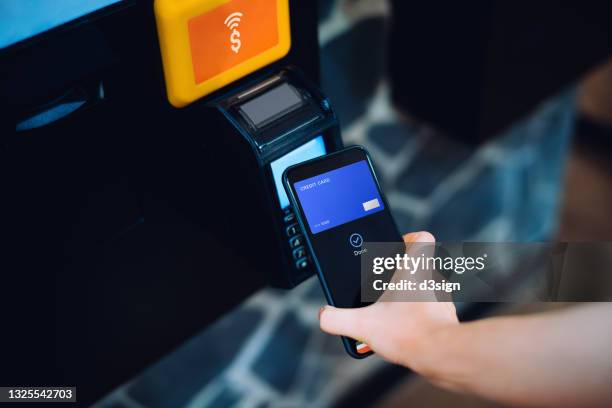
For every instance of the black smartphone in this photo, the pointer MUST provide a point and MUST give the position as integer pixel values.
(340, 205)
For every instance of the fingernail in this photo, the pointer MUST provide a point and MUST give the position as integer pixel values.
(414, 237)
(419, 237)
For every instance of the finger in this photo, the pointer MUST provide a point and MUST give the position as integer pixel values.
(421, 236)
(417, 244)
(344, 322)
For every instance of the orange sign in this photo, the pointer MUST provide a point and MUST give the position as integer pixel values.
(230, 34)
(208, 44)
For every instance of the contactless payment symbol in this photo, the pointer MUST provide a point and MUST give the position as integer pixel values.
(233, 22)
(356, 240)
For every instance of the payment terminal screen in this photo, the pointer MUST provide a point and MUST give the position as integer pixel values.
(309, 150)
(339, 196)
(22, 19)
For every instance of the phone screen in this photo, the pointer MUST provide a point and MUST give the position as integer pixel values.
(341, 206)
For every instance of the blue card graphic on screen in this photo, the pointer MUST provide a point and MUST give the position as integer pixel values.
(307, 151)
(339, 196)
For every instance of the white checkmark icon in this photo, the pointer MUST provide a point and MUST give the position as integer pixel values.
(356, 240)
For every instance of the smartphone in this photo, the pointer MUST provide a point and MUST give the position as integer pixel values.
(339, 204)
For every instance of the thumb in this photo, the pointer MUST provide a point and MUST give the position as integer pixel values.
(344, 322)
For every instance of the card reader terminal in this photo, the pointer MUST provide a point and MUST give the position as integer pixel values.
(285, 120)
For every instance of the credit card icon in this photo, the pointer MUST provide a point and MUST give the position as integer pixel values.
(372, 204)
(362, 348)
(339, 196)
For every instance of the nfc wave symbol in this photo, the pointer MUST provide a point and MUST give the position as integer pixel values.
(233, 22)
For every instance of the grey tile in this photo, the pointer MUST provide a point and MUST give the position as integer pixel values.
(226, 398)
(280, 358)
(436, 160)
(172, 381)
(391, 137)
(471, 208)
(315, 292)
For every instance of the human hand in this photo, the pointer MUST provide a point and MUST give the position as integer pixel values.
(397, 331)
(516, 360)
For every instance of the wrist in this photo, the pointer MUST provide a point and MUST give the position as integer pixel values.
(428, 356)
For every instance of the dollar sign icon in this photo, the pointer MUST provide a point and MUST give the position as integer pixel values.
(235, 40)
(233, 22)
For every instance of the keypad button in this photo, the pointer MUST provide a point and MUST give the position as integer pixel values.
(296, 241)
(289, 217)
(299, 252)
(301, 263)
(292, 230)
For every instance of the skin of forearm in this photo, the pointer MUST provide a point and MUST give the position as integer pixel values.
(553, 359)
